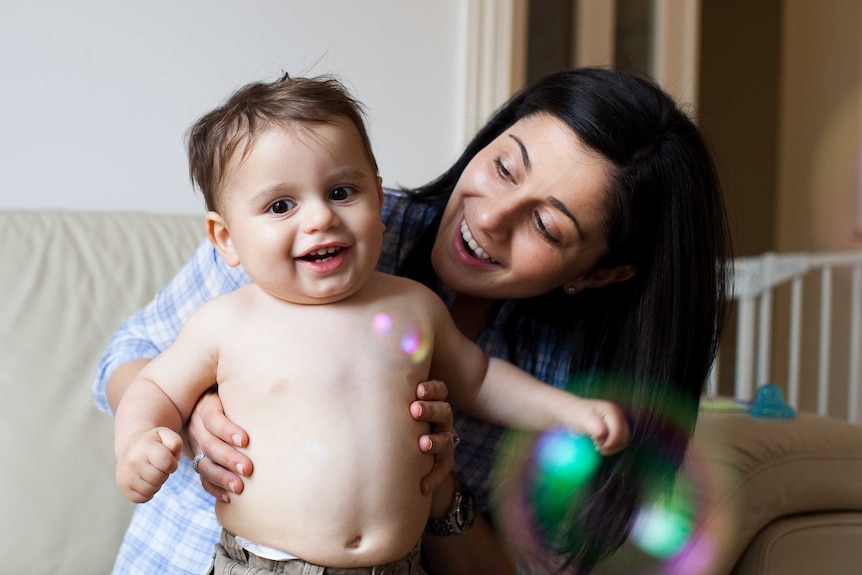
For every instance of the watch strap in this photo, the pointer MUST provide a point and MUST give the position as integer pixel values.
(460, 517)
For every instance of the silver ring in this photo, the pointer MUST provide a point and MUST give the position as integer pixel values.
(196, 461)
(456, 440)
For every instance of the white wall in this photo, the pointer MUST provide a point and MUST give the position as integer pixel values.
(96, 95)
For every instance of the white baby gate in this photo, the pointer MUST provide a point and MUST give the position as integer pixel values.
(755, 282)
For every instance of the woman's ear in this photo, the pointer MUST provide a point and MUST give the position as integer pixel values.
(219, 235)
(600, 277)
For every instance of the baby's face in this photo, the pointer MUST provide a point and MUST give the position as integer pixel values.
(302, 211)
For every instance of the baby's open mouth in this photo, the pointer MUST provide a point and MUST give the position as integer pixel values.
(472, 245)
(321, 255)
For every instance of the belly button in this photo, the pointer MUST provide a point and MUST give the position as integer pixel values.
(354, 543)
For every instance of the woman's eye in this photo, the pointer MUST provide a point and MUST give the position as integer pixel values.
(341, 193)
(542, 227)
(281, 206)
(502, 170)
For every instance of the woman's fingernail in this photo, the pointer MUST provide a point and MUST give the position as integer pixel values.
(225, 498)
(239, 468)
(237, 440)
(232, 487)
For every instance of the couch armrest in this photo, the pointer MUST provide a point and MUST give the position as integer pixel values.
(66, 282)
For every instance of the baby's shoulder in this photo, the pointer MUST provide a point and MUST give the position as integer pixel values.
(223, 306)
(399, 287)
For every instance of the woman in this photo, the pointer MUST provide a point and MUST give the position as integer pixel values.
(580, 236)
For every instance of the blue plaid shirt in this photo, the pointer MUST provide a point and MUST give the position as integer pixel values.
(176, 531)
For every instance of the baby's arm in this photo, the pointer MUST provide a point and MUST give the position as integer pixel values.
(498, 392)
(153, 409)
(146, 443)
(514, 398)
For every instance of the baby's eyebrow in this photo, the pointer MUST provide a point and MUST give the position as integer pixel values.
(524, 153)
(349, 173)
(269, 192)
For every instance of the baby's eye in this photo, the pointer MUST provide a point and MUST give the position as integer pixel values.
(281, 206)
(341, 193)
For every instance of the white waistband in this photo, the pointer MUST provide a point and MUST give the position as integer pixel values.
(264, 551)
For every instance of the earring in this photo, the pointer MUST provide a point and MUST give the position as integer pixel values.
(571, 290)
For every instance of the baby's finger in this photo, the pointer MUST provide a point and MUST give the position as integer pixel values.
(619, 435)
(171, 440)
(163, 460)
(592, 424)
(145, 487)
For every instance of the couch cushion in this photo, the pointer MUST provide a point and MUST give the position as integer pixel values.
(765, 469)
(806, 544)
(66, 282)
(748, 472)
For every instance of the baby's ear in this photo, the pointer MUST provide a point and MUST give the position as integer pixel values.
(219, 235)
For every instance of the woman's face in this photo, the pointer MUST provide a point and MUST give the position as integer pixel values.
(526, 216)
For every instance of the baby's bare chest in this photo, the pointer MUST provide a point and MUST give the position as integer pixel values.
(328, 354)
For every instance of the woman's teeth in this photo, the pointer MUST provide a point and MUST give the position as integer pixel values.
(471, 243)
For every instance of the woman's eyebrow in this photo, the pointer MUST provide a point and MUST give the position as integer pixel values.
(562, 207)
(524, 153)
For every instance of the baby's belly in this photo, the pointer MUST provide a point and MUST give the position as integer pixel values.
(336, 479)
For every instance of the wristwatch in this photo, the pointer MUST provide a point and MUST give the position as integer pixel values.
(460, 518)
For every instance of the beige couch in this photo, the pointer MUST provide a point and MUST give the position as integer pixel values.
(784, 498)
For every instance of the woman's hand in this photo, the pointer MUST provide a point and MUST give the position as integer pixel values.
(212, 433)
(431, 407)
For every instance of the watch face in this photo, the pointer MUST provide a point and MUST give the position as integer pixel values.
(465, 512)
(460, 518)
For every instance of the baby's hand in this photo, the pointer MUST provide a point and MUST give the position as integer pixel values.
(146, 463)
(605, 423)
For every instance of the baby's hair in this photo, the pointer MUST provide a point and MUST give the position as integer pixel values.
(290, 103)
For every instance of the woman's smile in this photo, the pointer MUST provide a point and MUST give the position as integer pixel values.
(472, 246)
(526, 215)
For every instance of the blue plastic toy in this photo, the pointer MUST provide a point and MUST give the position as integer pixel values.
(769, 402)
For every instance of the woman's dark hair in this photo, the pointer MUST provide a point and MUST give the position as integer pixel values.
(648, 342)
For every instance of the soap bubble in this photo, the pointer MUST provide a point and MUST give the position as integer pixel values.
(541, 482)
(564, 463)
(396, 329)
(663, 526)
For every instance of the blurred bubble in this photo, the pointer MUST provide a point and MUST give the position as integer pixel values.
(564, 464)
(565, 461)
(664, 526)
(381, 323)
(398, 329)
(541, 482)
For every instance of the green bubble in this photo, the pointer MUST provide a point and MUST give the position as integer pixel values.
(565, 463)
(663, 527)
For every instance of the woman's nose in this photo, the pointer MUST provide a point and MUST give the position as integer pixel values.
(318, 216)
(496, 217)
